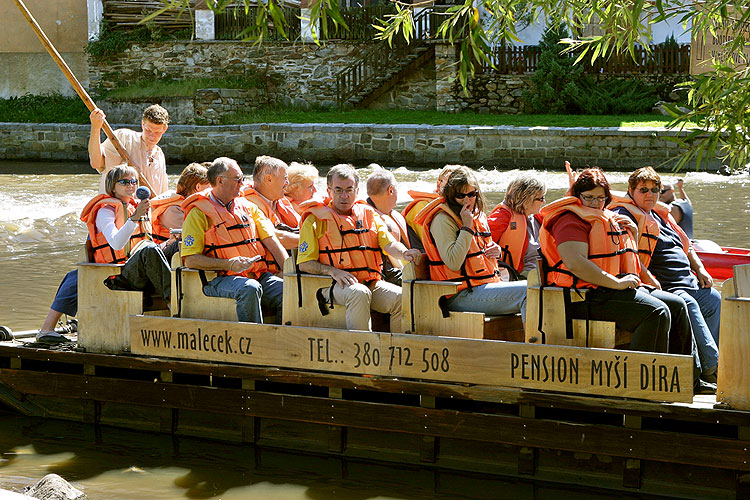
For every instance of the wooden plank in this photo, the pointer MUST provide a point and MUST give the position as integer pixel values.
(308, 314)
(663, 377)
(742, 280)
(196, 304)
(103, 314)
(733, 387)
(483, 427)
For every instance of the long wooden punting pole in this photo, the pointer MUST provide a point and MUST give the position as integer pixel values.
(75, 83)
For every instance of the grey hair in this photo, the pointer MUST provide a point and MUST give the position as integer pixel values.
(218, 167)
(342, 171)
(266, 165)
(380, 180)
(117, 173)
(521, 190)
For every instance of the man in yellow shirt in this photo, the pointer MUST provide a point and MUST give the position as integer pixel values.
(224, 232)
(346, 240)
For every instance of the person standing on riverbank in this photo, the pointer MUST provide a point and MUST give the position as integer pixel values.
(142, 147)
(224, 232)
(682, 209)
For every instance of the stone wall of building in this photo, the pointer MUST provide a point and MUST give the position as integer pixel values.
(390, 145)
(292, 74)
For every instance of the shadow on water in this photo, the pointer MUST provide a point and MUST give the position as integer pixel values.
(119, 464)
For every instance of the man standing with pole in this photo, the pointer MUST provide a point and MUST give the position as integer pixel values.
(142, 149)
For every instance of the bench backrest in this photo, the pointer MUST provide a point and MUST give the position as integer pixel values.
(742, 280)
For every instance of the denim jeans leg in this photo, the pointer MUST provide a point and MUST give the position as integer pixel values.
(245, 291)
(709, 300)
(272, 292)
(707, 345)
(494, 299)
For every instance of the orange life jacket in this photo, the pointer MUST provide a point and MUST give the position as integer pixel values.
(103, 253)
(232, 234)
(648, 226)
(350, 241)
(284, 213)
(515, 239)
(419, 201)
(158, 207)
(611, 247)
(477, 268)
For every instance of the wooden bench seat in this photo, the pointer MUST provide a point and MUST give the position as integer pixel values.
(103, 314)
(601, 334)
(306, 312)
(733, 388)
(423, 315)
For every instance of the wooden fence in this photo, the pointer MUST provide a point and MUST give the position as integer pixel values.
(234, 23)
(657, 59)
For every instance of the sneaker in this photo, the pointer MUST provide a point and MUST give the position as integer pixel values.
(710, 378)
(50, 338)
(703, 387)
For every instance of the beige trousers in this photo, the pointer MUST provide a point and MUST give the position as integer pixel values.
(359, 299)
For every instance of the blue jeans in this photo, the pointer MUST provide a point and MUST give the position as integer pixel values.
(493, 299)
(249, 294)
(704, 310)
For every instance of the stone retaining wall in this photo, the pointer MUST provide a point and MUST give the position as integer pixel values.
(390, 145)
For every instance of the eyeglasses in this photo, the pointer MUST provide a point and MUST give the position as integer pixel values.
(645, 190)
(125, 182)
(461, 196)
(339, 191)
(238, 180)
(592, 199)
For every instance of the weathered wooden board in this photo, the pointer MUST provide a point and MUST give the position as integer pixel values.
(659, 377)
(733, 387)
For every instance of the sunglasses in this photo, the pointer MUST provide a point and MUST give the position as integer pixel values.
(592, 199)
(645, 190)
(665, 190)
(461, 196)
(238, 180)
(125, 182)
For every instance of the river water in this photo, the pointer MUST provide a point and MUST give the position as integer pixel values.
(40, 238)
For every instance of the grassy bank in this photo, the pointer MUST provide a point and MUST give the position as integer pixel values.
(58, 109)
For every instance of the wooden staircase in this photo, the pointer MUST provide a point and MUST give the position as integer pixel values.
(383, 66)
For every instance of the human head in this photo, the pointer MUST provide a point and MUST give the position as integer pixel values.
(459, 180)
(343, 186)
(270, 177)
(445, 172)
(525, 195)
(194, 178)
(588, 180)
(302, 177)
(647, 179)
(381, 188)
(225, 176)
(154, 123)
(119, 172)
(666, 194)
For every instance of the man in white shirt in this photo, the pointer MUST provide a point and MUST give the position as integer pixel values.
(146, 157)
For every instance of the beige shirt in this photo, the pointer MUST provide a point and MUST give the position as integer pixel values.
(151, 166)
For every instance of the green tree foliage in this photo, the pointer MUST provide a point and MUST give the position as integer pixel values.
(720, 100)
(557, 80)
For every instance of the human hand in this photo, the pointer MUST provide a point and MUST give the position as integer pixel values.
(97, 117)
(627, 281)
(142, 209)
(412, 255)
(571, 175)
(493, 251)
(680, 183)
(467, 215)
(627, 223)
(241, 264)
(342, 278)
(704, 279)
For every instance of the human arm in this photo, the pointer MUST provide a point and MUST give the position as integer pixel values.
(118, 238)
(498, 221)
(96, 157)
(204, 262)
(704, 279)
(571, 178)
(452, 243)
(574, 255)
(288, 239)
(274, 246)
(681, 190)
(310, 232)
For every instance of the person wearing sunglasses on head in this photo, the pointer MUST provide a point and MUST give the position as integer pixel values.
(224, 232)
(459, 247)
(671, 263)
(586, 246)
(515, 223)
(120, 232)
